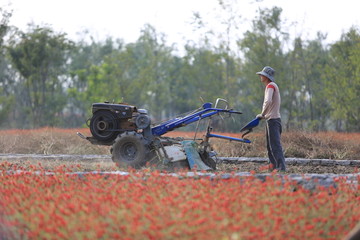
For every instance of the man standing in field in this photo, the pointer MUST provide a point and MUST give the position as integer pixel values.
(271, 113)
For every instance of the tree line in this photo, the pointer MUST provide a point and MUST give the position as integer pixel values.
(48, 80)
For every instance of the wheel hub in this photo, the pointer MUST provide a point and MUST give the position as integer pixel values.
(102, 125)
(129, 151)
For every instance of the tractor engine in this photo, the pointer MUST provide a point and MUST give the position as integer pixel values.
(109, 120)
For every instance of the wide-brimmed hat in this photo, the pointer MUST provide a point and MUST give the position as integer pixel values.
(268, 72)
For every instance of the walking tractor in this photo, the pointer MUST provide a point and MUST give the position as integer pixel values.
(135, 142)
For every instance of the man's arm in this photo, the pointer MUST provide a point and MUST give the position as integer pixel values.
(269, 92)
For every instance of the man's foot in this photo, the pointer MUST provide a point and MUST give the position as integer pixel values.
(271, 167)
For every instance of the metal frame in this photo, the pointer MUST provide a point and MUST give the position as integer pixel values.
(207, 111)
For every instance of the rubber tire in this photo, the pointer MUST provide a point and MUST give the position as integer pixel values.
(104, 136)
(130, 150)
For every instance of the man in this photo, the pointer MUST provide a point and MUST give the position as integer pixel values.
(271, 112)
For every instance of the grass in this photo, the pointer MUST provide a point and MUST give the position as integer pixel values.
(323, 145)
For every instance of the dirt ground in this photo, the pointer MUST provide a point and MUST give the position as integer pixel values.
(98, 164)
(304, 145)
(291, 169)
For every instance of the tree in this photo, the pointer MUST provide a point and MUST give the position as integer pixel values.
(207, 74)
(263, 46)
(6, 83)
(342, 81)
(137, 73)
(307, 108)
(154, 61)
(85, 59)
(40, 56)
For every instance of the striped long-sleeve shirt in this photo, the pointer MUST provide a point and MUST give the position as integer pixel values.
(272, 101)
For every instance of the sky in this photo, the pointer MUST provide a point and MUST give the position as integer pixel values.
(124, 19)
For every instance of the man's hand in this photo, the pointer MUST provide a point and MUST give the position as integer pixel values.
(260, 116)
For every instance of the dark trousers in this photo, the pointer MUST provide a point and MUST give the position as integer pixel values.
(273, 143)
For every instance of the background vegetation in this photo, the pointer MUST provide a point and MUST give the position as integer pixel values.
(337, 146)
(48, 80)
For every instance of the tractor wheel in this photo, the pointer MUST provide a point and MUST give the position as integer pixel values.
(103, 126)
(130, 150)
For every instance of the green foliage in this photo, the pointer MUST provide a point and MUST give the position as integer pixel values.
(46, 80)
(40, 56)
(342, 81)
(261, 47)
(6, 96)
(4, 24)
(206, 70)
(306, 108)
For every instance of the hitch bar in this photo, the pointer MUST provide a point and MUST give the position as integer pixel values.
(244, 140)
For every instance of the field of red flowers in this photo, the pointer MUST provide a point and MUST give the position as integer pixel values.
(152, 205)
(149, 204)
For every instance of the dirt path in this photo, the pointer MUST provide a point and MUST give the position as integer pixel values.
(294, 165)
(258, 165)
(306, 172)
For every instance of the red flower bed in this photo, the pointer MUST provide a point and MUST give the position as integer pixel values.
(151, 205)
